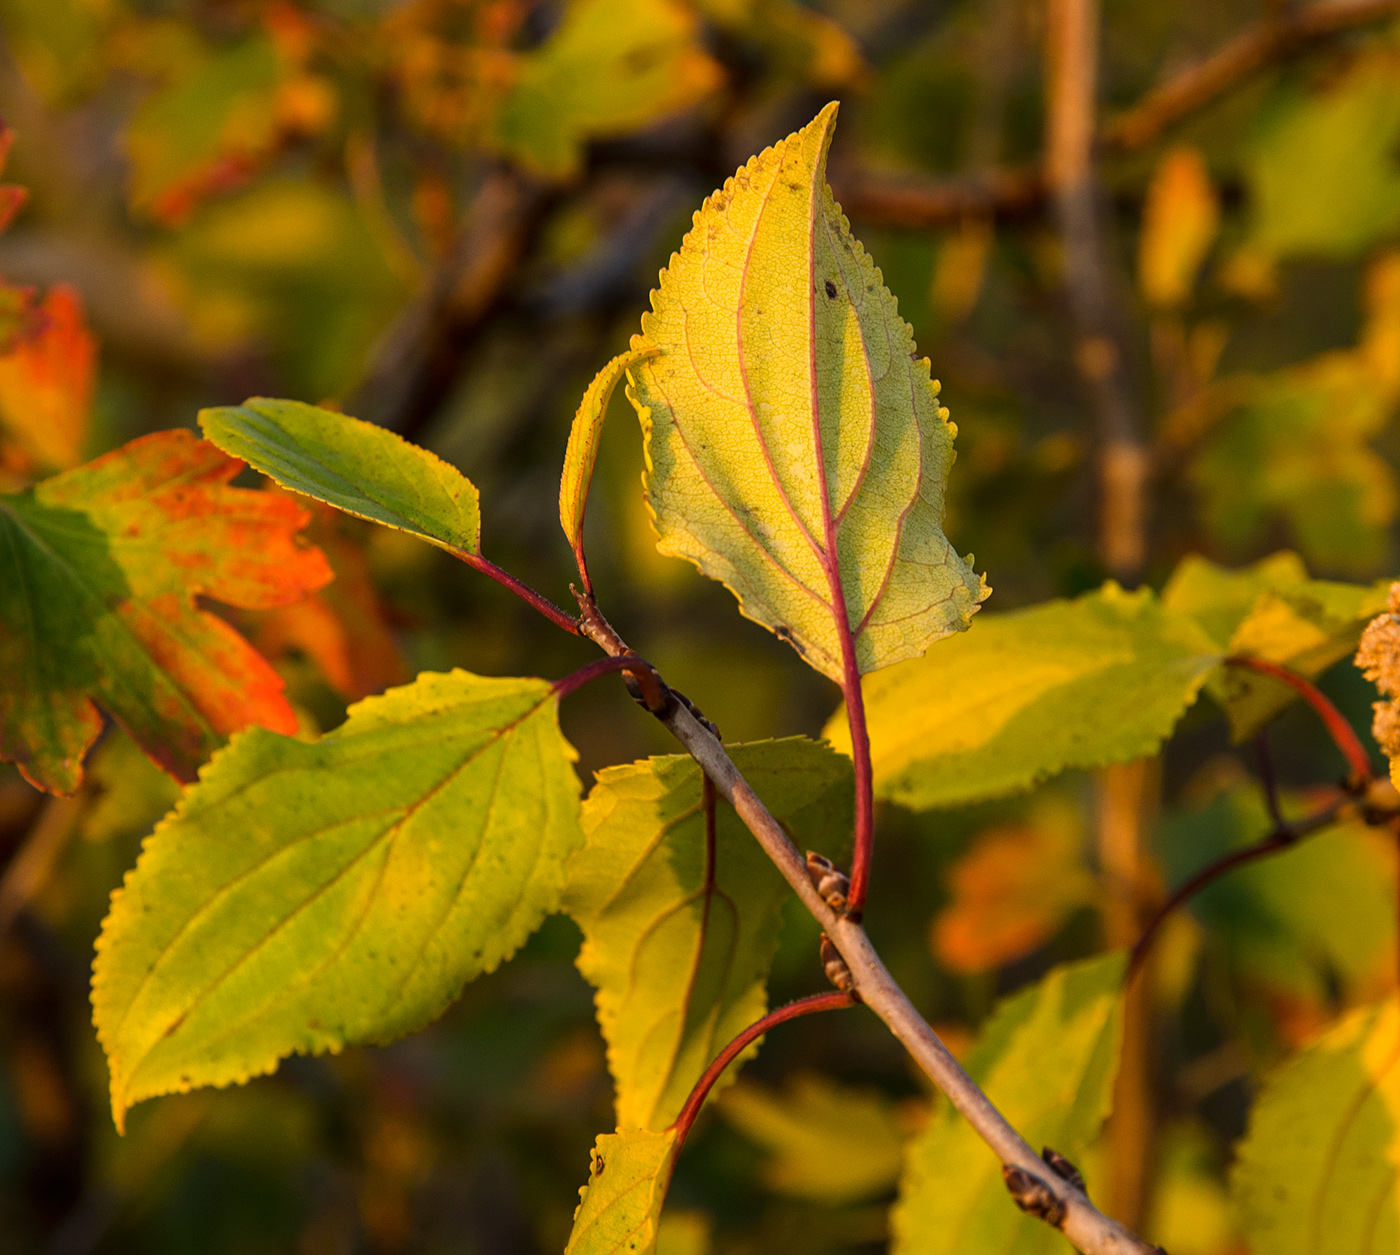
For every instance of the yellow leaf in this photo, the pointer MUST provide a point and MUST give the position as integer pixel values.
(620, 1207)
(1180, 220)
(796, 449)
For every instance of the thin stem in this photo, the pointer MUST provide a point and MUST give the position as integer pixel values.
(803, 1006)
(1341, 732)
(1268, 781)
(526, 594)
(1280, 839)
(639, 668)
(865, 799)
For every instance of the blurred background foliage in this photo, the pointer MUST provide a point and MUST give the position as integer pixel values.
(444, 215)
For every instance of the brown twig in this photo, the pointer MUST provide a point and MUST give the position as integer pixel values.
(924, 203)
(1282, 838)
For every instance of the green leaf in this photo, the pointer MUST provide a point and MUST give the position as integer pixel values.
(795, 446)
(1101, 679)
(358, 467)
(1315, 1174)
(306, 896)
(825, 1142)
(582, 453)
(620, 1207)
(1047, 1060)
(611, 67)
(1276, 922)
(99, 571)
(678, 944)
(1341, 139)
(1273, 611)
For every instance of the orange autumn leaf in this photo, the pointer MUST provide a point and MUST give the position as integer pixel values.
(342, 629)
(1013, 890)
(46, 383)
(100, 568)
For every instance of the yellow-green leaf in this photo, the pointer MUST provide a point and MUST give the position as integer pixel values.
(1047, 1060)
(796, 449)
(826, 1142)
(611, 67)
(1023, 696)
(678, 940)
(1179, 222)
(1315, 1174)
(1273, 611)
(582, 452)
(620, 1208)
(306, 896)
(355, 466)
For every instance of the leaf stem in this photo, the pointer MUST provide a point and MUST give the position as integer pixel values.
(864, 845)
(648, 682)
(526, 594)
(832, 1001)
(1283, 837)
(1341, 732)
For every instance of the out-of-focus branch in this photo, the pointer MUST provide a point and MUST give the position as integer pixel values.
(922, 203)
(1283, 33)
(413, 365)
(1071, 88)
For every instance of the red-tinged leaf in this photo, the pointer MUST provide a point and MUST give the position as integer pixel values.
(99, 571)
(12, 200)
(342, 629)
(46, 383)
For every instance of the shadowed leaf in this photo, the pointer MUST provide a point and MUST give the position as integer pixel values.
(1023, 696)
(1047, 1059)
(355, 466)
(99, 570)
(1315, 1174)
(678, 943)
(620, 1208)
(306, 896)
(796, 449)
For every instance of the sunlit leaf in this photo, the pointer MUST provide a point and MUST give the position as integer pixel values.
(305, 896)
(99, 572)
(796, 449)
(1315, 1174)
(1047, 1059)
(1014, 888)
(678, 941)
(46, 383)
(1023, 696)
(612, 66)
(582, 452)
(1179, 222)
(1273, 611)
(620, 1207)
(826, 1142)
(357, 467)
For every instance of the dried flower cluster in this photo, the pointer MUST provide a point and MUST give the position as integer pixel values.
(1378, 656)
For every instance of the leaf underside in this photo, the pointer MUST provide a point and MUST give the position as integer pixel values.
(1047, 1059)
(620, 1208)
(1315, 1174)
(677, 944)
(358, 467)
(306, 896)
(795, 446)
(1025, 695)
(99, 570)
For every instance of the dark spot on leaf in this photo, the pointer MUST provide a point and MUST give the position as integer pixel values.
(831, 289)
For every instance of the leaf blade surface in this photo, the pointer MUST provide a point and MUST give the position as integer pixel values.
(796, 450)
(620, 1207)
(306, 896)
(358, 467)
(678, 945)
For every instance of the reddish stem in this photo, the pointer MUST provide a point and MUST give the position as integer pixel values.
(582, 563)
(526, 594)
(803, 1006)
(1341, 732)
(1280, 839)
(865, 791)
(652, 690)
